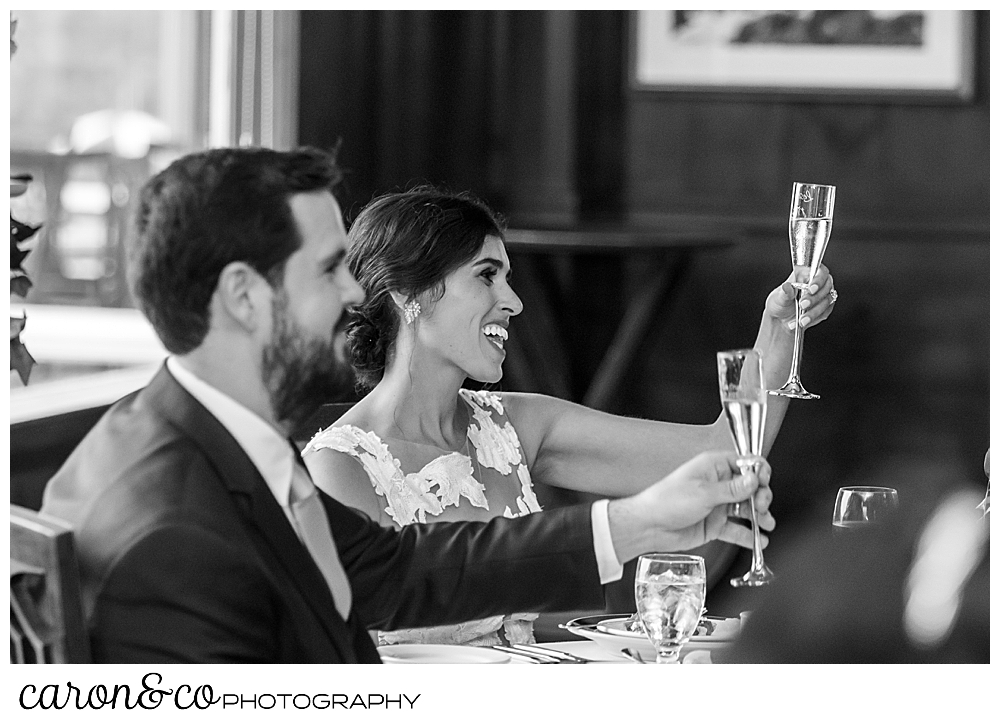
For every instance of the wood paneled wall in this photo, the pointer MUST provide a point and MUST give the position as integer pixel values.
(903, 364)
(532, 111)
(387, 85)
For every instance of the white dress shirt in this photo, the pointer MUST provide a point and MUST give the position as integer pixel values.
(270, 453)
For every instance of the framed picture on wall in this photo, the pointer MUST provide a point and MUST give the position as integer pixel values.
(836, 54)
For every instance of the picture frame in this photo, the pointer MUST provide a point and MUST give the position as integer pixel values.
(863, 55)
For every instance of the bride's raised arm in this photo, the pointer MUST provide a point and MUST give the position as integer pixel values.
(574, 447)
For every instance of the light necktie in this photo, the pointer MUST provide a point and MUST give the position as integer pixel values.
(313, 529)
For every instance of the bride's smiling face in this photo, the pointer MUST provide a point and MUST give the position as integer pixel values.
(468, 325)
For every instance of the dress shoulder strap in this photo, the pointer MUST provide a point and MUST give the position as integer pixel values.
(491, 433)
(483, 400)
(383, 470)
(342, 438)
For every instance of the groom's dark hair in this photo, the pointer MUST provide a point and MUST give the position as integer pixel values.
(207, 210)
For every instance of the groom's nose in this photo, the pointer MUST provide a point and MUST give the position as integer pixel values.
(351, 293)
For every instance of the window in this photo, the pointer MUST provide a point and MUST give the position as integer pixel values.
(100, 101)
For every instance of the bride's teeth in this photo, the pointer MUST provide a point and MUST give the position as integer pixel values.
(495, 330)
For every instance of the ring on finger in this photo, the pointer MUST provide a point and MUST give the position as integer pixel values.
(833, 296)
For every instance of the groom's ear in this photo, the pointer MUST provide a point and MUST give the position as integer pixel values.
(242, 296)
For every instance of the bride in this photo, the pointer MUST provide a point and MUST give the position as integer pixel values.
(420, 447)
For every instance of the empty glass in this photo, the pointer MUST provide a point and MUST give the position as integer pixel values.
(860, 506)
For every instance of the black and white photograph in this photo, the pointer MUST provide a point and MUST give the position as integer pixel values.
(869, 53)
(440, 337)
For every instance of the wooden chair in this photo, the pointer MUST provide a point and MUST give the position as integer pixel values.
(46, 611)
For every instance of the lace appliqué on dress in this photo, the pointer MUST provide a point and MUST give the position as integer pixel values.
(411, 497)
(496, 447)
(483, 398)
(481, 632)
(442, 482)
(499, 448)
(527, 502)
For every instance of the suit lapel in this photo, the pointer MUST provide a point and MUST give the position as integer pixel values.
(272, 533)
(278, 540)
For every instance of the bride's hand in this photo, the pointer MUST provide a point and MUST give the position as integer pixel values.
(817, 301)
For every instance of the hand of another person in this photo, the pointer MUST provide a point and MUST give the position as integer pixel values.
(817, 302)
(689, 507)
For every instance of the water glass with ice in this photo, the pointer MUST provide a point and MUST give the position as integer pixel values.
(669, 596)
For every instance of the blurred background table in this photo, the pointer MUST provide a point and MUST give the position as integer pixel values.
(640, 270)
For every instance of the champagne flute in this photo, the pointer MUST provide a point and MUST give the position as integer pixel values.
(669, 596)
(744, 402)
(862, 506)
(810, 221)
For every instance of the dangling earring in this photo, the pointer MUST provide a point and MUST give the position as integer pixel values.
(410, 310)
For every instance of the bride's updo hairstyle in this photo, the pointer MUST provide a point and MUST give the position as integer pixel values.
(407, 242)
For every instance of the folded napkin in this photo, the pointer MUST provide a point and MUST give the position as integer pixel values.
(701, 656)
(727, 629)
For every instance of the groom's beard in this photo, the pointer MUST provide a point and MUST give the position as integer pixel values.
(302, 373)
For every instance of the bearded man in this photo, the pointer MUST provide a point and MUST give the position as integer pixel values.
(201, 537)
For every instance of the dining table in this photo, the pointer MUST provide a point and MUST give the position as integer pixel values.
(585, 651)
(598, 638)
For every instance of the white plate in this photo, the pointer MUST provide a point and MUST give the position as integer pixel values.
(440, 654)
(725, 629)
(609, 632)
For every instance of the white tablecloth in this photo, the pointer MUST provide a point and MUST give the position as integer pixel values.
(598, 654)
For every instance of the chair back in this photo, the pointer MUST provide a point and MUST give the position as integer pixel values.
(46, 611)
(325, 416)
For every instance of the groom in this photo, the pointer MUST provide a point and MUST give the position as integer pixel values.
(199, 533)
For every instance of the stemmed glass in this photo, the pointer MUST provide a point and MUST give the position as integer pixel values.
(744, 402)
(669, 596)
(809, 223)
(861, 506)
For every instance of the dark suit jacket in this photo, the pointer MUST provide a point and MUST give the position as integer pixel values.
(186, 556)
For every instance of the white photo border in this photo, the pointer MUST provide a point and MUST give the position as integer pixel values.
(942, 69)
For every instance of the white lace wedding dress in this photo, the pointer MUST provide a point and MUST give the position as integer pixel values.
(453, 486)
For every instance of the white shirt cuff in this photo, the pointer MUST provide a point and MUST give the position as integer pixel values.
(608, 567)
